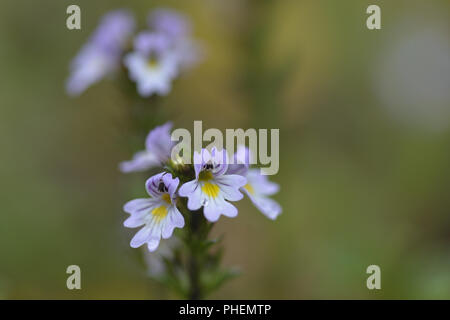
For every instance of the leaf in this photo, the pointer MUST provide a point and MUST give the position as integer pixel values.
(216, 280)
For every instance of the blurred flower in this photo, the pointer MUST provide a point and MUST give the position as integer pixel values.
(178, 29)
(153, 65)
(212, 187)
(169, 22)
(158, 146)
(161, 53)
(258, 186)
(158, 214)
(101, 55)
(158, 57)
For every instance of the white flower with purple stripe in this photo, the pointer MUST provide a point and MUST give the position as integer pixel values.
(258, 187)
(158, 214)
(212, 188)
(158, 146)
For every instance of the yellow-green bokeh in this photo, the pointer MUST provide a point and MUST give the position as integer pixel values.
(360, 184)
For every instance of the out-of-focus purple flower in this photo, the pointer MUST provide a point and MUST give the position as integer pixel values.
(158, 214)
(114, 30)
(151, 43)
(90, 66)
(152, 65)
(169, 22)
(158, 147)
(177, 28)
(101, 55)
(258, 187)
(161, 53)
(211, 187)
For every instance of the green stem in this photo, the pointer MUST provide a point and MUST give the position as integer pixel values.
(196, 236)
(193, 267)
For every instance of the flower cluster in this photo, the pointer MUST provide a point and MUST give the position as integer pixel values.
(191, 197)
(210, 185)
(154, 58)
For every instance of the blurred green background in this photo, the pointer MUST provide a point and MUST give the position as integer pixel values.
(364, 148)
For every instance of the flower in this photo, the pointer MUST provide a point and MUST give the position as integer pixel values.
(158, 146)
(152, 65)
(211, 187)
(258, 186)
(177, 29)
(101, 55)
(158, 214)
(169, 22)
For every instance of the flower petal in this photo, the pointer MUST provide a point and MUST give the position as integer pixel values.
(152, 185)
(137, 205)
(187, 188)
(142, 160)
(153, 244)
(261, 183)
(241, 161)
(200, 158)
(220, 161)
(173, 220)
(171, 184)
(137, 219)
(214, 208)
(269, 207)
(229, 210)
(191, 190)
(159, 140)
(231, 180)
(141, 237)
(169, 22)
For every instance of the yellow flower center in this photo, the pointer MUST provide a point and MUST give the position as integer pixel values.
(210, 189)
(205, 175)
(152, 63)
(249, 188)
(166, 198)
(159, 213)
